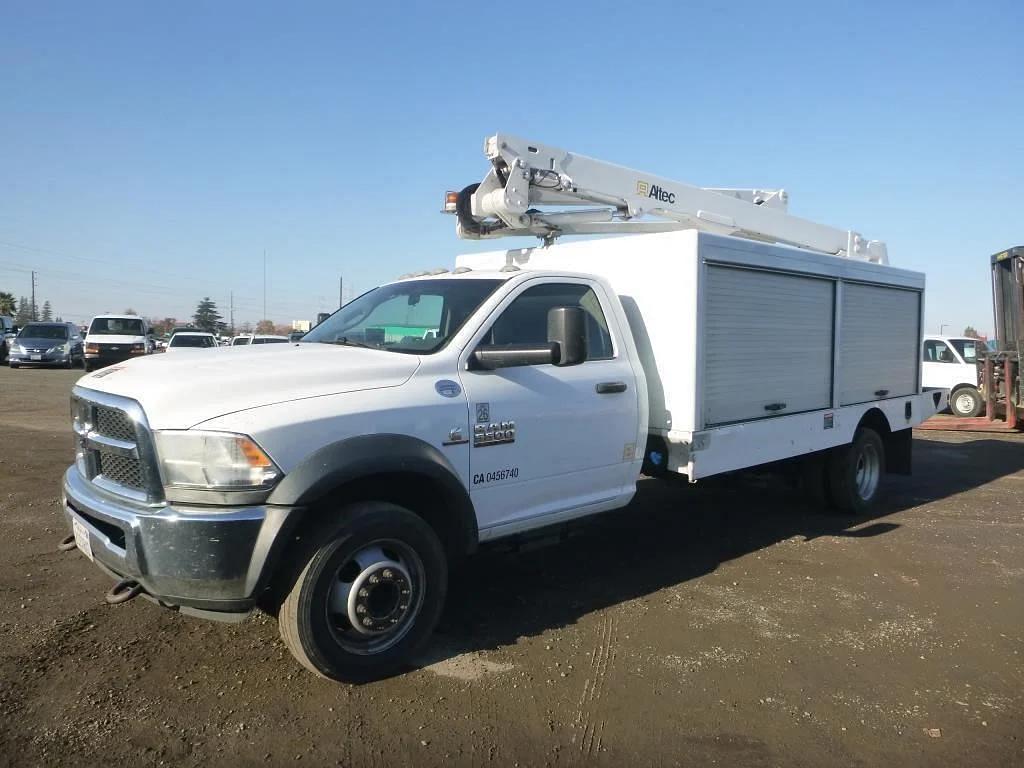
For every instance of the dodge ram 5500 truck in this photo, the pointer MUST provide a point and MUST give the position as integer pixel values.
(332, 481)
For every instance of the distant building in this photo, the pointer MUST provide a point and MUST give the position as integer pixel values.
(301, 325)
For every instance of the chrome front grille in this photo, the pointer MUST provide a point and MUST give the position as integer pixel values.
(115, 445)
(111, 422)
(123, 470)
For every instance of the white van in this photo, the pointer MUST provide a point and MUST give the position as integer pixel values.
(950, 362)
(116, 338)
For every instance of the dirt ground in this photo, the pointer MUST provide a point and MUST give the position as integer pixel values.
(727, 623)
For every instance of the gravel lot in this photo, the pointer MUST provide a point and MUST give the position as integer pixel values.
(726, 623)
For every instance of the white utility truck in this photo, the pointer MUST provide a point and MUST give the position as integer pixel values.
(332, 481)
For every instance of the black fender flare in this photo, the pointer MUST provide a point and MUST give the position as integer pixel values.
(353, 458)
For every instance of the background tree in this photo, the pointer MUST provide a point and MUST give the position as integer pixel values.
(207, 318)
(971, 333)
(8, 304)
(246, 327)
(265, 326)
(162, 327)
(130, 311)
(24, 314)
(47, 315)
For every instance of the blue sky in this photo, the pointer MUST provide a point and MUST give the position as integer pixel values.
(150, 153)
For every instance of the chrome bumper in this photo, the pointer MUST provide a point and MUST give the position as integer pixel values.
(198, 557)
(25, 358)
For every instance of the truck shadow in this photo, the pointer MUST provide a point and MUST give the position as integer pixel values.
(673, 532)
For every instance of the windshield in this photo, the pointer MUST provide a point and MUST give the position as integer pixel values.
(239, 340)
(187, 340)
(968, 349)
(59, 332)
(115, 326)
(417, 316)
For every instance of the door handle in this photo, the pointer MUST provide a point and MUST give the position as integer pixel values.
(610, 387)
(775, 406)
(881, 392)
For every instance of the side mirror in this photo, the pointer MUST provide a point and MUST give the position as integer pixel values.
(567, 345)
(491, 357)
(567, 329)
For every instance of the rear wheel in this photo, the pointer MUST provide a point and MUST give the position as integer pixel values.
(369, 594)
(966, 402)
(855, 472)
(87, 366)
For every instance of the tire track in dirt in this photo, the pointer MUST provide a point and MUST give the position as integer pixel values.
(588, 721)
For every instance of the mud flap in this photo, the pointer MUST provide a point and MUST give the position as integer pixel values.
(898, 452)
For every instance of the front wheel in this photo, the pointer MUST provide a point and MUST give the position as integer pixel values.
(966, 402)
(855, 472)
(370, 593)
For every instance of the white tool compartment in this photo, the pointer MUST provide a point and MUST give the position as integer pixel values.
(767, 343)
(876, 362)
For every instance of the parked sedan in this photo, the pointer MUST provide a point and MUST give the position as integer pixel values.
(47, 344)
(191, 340)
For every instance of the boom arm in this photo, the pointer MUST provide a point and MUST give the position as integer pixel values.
(526, 174)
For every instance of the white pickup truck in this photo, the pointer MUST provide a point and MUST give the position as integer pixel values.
(332, 481)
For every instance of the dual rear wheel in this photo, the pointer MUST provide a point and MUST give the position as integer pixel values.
(846, 478)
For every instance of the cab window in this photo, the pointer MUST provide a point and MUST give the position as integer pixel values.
(938, 352)
(525, 320)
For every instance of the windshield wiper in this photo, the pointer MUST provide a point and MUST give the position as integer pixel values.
(345, 341)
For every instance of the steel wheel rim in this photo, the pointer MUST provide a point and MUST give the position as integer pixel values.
(380, 585)
(964, 403)
(868, 472)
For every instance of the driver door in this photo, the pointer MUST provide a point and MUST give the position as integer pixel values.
(548, 439)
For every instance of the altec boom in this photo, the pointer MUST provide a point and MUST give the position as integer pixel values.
(527, 175)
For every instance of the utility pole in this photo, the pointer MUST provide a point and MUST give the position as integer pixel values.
(341, 292)
(231, 311)
(264, 283)
(34, 296)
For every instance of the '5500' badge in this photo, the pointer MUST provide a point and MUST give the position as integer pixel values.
(494, 434)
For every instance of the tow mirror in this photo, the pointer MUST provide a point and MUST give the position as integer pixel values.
(567, 329)
(567, 345)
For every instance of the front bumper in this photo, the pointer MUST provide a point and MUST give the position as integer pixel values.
(44, 358)
(107, 357)
(205, 558)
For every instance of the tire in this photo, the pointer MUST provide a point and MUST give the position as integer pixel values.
(966, 402)
(13, 365)
(364, 563)
(855, 472)
(86, 367)
(70, 362)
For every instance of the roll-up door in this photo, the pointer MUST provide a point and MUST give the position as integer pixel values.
(767, 344)
(879, 339)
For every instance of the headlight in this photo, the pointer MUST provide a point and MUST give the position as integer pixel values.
(18, 348)
(58, 348)
(214, 460)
